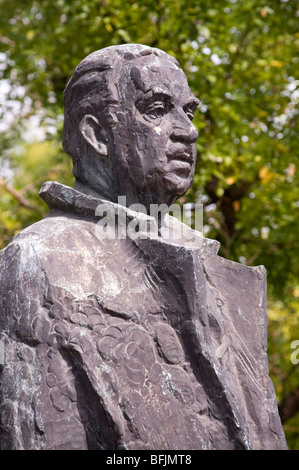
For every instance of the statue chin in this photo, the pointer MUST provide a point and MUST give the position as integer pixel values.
(176, 185)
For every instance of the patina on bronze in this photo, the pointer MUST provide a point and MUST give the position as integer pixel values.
(145, 343)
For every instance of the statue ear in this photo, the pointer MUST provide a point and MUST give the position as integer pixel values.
(92, 133)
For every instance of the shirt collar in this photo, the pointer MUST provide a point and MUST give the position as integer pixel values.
(60, 197)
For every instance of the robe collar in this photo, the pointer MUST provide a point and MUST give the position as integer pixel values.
(62, 198)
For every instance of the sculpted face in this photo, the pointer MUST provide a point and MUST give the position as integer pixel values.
(154, 138)
(134, 114)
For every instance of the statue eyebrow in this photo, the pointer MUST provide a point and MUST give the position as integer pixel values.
(153, 94)
(192, 103)
(161, 91)
(157, 91)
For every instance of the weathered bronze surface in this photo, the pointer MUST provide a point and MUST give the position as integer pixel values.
(143, 342)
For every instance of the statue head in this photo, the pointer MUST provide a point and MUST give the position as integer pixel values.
(128, 125)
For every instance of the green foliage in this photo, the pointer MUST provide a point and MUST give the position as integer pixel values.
(284, 327)
(241, 60)
(33, 164)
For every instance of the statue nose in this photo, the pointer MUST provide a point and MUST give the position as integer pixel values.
(185, 133)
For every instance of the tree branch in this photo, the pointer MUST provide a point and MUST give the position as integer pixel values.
(289, 406)
(236, 55)
(16, 194)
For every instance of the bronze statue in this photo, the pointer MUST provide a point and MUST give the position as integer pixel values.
(144, 342)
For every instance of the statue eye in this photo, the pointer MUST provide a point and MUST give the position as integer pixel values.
(190, 113)
(156, 110)
(190, 109)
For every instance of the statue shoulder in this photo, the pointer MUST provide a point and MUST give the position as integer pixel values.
(241, 293)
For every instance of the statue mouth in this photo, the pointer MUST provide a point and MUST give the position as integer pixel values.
(180, 152)
(180, 167)
(180, 161)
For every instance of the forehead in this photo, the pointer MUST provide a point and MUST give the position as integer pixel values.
(159, 75)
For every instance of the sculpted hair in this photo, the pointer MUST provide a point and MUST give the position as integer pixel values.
(93, 89)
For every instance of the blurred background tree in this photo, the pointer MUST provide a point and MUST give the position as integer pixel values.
(241, 60)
